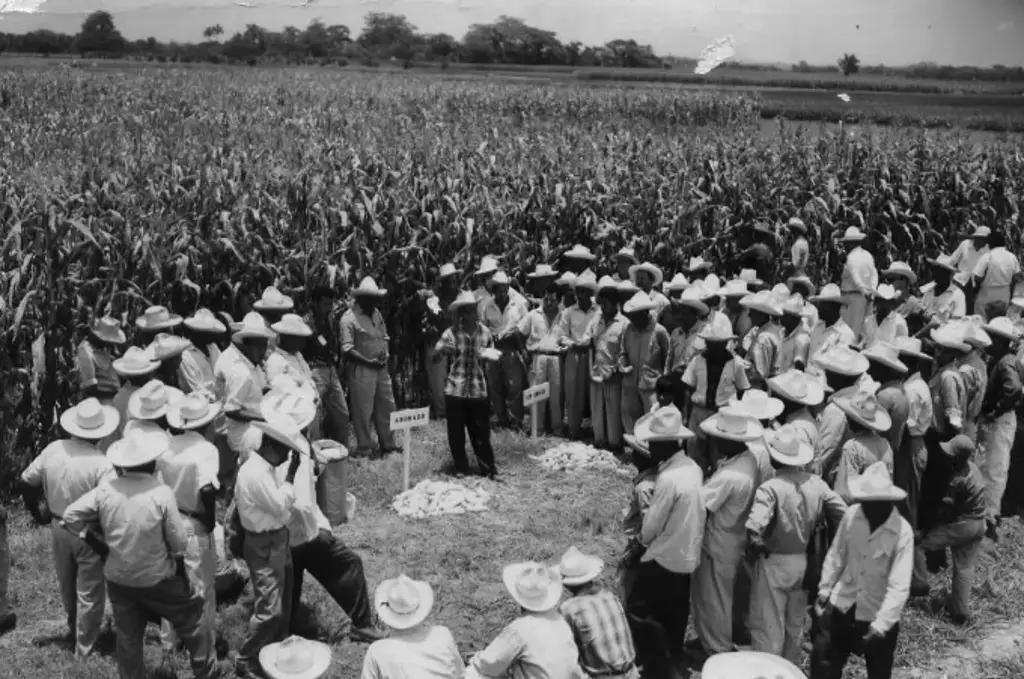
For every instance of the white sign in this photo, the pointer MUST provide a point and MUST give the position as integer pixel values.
(407, 419)
(536, 394)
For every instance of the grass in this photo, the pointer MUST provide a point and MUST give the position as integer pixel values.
(533, 514)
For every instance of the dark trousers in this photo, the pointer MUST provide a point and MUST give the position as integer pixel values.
(837, 635)
(658, 608)
(470, 415)
(340, 571)
(1013, 497)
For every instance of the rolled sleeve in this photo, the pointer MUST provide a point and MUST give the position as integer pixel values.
(85, 509)
(495, 660)
(658, 513)
(347, 333)
(761, 512)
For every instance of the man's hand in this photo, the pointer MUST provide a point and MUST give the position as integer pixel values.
(820, 606)
(872, 637)
(293, 467)
(626, 369)
(326, 536)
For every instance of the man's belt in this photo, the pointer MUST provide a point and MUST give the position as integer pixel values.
(547, 353)
(609, 673)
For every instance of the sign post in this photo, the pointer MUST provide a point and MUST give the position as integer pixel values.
(533, 397)
(405, 421)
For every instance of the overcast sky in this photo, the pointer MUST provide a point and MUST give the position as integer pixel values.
(895, 32)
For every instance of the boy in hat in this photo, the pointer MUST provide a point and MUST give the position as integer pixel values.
(861, 596)
(765, 347)
(578, 259)
(642, 359)
(195, 369)
(155, 320)
(543, 331)
(843, 368)
(867, 420)
(796, 340)
(727, 496)
(597, 619)
(436, 322)
(903, 280)
(886, 368)
(830, 330)
(860, 278)
(684, 344)
(323, 355)
(624, 259)
(364, 343)
(241, 379)
(648, 277)
(577, 326)
(960, 527)
(799, 392)
(944, 301)
(135, 368)
(886, 323)
(780, 526)
(502, 315)
(143, 546)
(286, 366)
(62, 473)
(800, 252)
(605, 379)
(912, 457)
(95, 363)
(481, 277)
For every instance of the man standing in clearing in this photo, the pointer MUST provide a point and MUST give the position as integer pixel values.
(577, 335)
(860, 278)
(501, 315)
(323, 354)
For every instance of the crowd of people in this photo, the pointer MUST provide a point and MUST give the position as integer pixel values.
(801, 454)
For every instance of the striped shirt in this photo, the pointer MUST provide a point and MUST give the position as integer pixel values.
(602, 634)
(466, 377)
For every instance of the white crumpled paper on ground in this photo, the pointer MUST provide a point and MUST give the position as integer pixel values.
(436, 498)
(575, 456)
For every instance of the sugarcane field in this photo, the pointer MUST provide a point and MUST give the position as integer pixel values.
(520, 355)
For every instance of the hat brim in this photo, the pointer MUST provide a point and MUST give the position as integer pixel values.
(695, 304)
(120, 369)
(763, 308)
(858, 367)
(818, 299)
(134, 407)
(881, 424)
(448, 274)
(948, 343)
(794, 280)
(270, 413)
(589, 257)
(815, 393)
(175, 420)
(919, 355)
(594, 568)
(805, 455)
(654, 271)
(402, 621)
(720, 339)
(172, 321)
(117, 337)
(260, 305)
(773, 408)
(251, 333)
(379, 292)
(300, 444)
(936, 264)
(899, 273)
(457, 305)
(120, 455)
(210, 327)
(885, 360)
(111, 418)
(710, 427)
(548, 274)
(291, 331)
(622, 255)
(592, 287)
(643, 434)
(174, 352)
(895, 494)
(996, 332)
(541, 605)
(321, 656)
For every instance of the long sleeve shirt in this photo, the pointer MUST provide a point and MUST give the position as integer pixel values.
(871, 570)
(195, 374)
(787, 508)
(727, 497)
(975, 377)
(893, 398)
(674, 525)
(794, 352)
(683, 346)
(919, 405)
(535, 646)
(96, 369)
(805, 425)
(731, 381)
(577, 325)
(503, 323)
(363, 333)
(859, 273)
(639, 502)
(418, 653)
(141, 525)
(543, 335)
(965, 496)
(765, 354)
(306, 519)
(949, 401)
(892, 326)
(965, 257)
(599, 624)
(646, 351)
(1003, 391)
(997, 269)
(860, 452)
(951, 303)
(264, 504)
(607, 341)
(66, 470)
(240, 381)
(833, 432)
(190, 463)
(825, 337)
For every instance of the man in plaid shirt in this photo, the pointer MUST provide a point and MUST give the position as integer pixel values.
(467, 344)
(597, 619)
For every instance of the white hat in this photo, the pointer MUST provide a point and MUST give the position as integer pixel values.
(948, 337)
(804, 281)
(757, 404)
(797, 386)
(711, 286)
(875, 485)
(830, 293)
(192, 411)
(794, 305)
(488, 265)
(749, 276)
(165, 346)
(543, 271)
(885, 353)
(1002, 327)
(292, 325)
(886, 292)
(567, 279)
(465, 298)
(368, 288)
(716, 332)
(204, 320)
(786, 447)
(762, 301)
(732, 425)
(253, 326)
(586, 280)
(290, 403)
(943, 262)
(664, 424)
(138, 447)
(975, 336)
(749, 665)
(638, 302)
(606, 283)
(677, 284)
(697, 264)
(842, 360)
(90, 420)
(734, 288)
(447, 269)
(148, 427)
(402, 603)
(691, 297)
(284, 431)
(295, 658)
(654, 271)
(981, 232)
(864, 408)
(798, 224)
(533, 586)
(157, 318)
(628, 286)
(911, 346)
(108, 329)
(579, 252)
(901, 269)
(151, 400)
(853, 234)
(576, 568)
(499, 278)
(273, 300)
(627, 253)
(135, 362)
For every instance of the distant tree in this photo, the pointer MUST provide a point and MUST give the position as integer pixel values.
(386, 34)
(442, 46)
(849, 64)
(99, 34)
(213, 32)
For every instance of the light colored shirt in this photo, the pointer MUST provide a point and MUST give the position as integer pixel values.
(859, 273)
(765, 353)
(975, 379)
(287, 369)
(997, 269)
(805, 425)
(366, 334)
(795, 349)
(542, 335)
(673, 528)
(607, 345)
(66, 470)
(240, 381)
(732, 380)
(661, 302)
(190, 463)
(800, 253)
(639, 502)
(950, 304)
(646, 351)
(577, 324)
(264, 503)
(891, 327)
(120, 403)
(727, 497)
(825, 337)
(418, 653)
(919, 399)
(195, 374)
(96, 368)
(141, 525)
(535, 646)
(833, 432)
(949, 401)
(787, 508)
(503, 323)
(871, 570)
(965, 257)
(683, 346)
(862, 450)
(307, 519)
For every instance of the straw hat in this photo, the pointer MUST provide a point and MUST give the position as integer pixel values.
(654, 271)
(138, 447)
(691, 297)
(488, 265)
(798, 387)
(533, 586)
(448, 270)
(90, 420)
(587, 281)
(749, 277)
(697, 264)
(1002, 327)
(943, 262)
(960, 445)
(786, 447)
(368, 288)
(735, 288)
(885, 353)
(606, 283)
(192, 412)
(135, 362)
(629, 287)
(875, 485)
(543, 271)
(976, 337)
(948, 337)
(664, 424)
(762, 301)
(284, 431)
(829, 294)
(911, 346)
(295, 658)
(566, 280)
(714, 332)
(749, 665)
(797, 224)
(108, 329)
(165, 347)
(576, 568)
(864, 409)
(253, 326)
(638, 302)
(842, 360)
(710, 287)
(757, 404)
(273, 300)
(901, 269)
(853, 234)
(158, 318)
(292, 325)
(627, 253)
(794, 305)
(732, 425)
(780, 292)
(290, 403)
(804, 281)
(151, 400)
(678, 283)
(204, 320)
(465, 299)
(148, 427)
(579, 252)
(981, 232)
(402, 603)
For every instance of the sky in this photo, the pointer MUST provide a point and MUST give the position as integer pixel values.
(893, 32)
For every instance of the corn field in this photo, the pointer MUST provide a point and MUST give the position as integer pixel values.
(185, 187)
